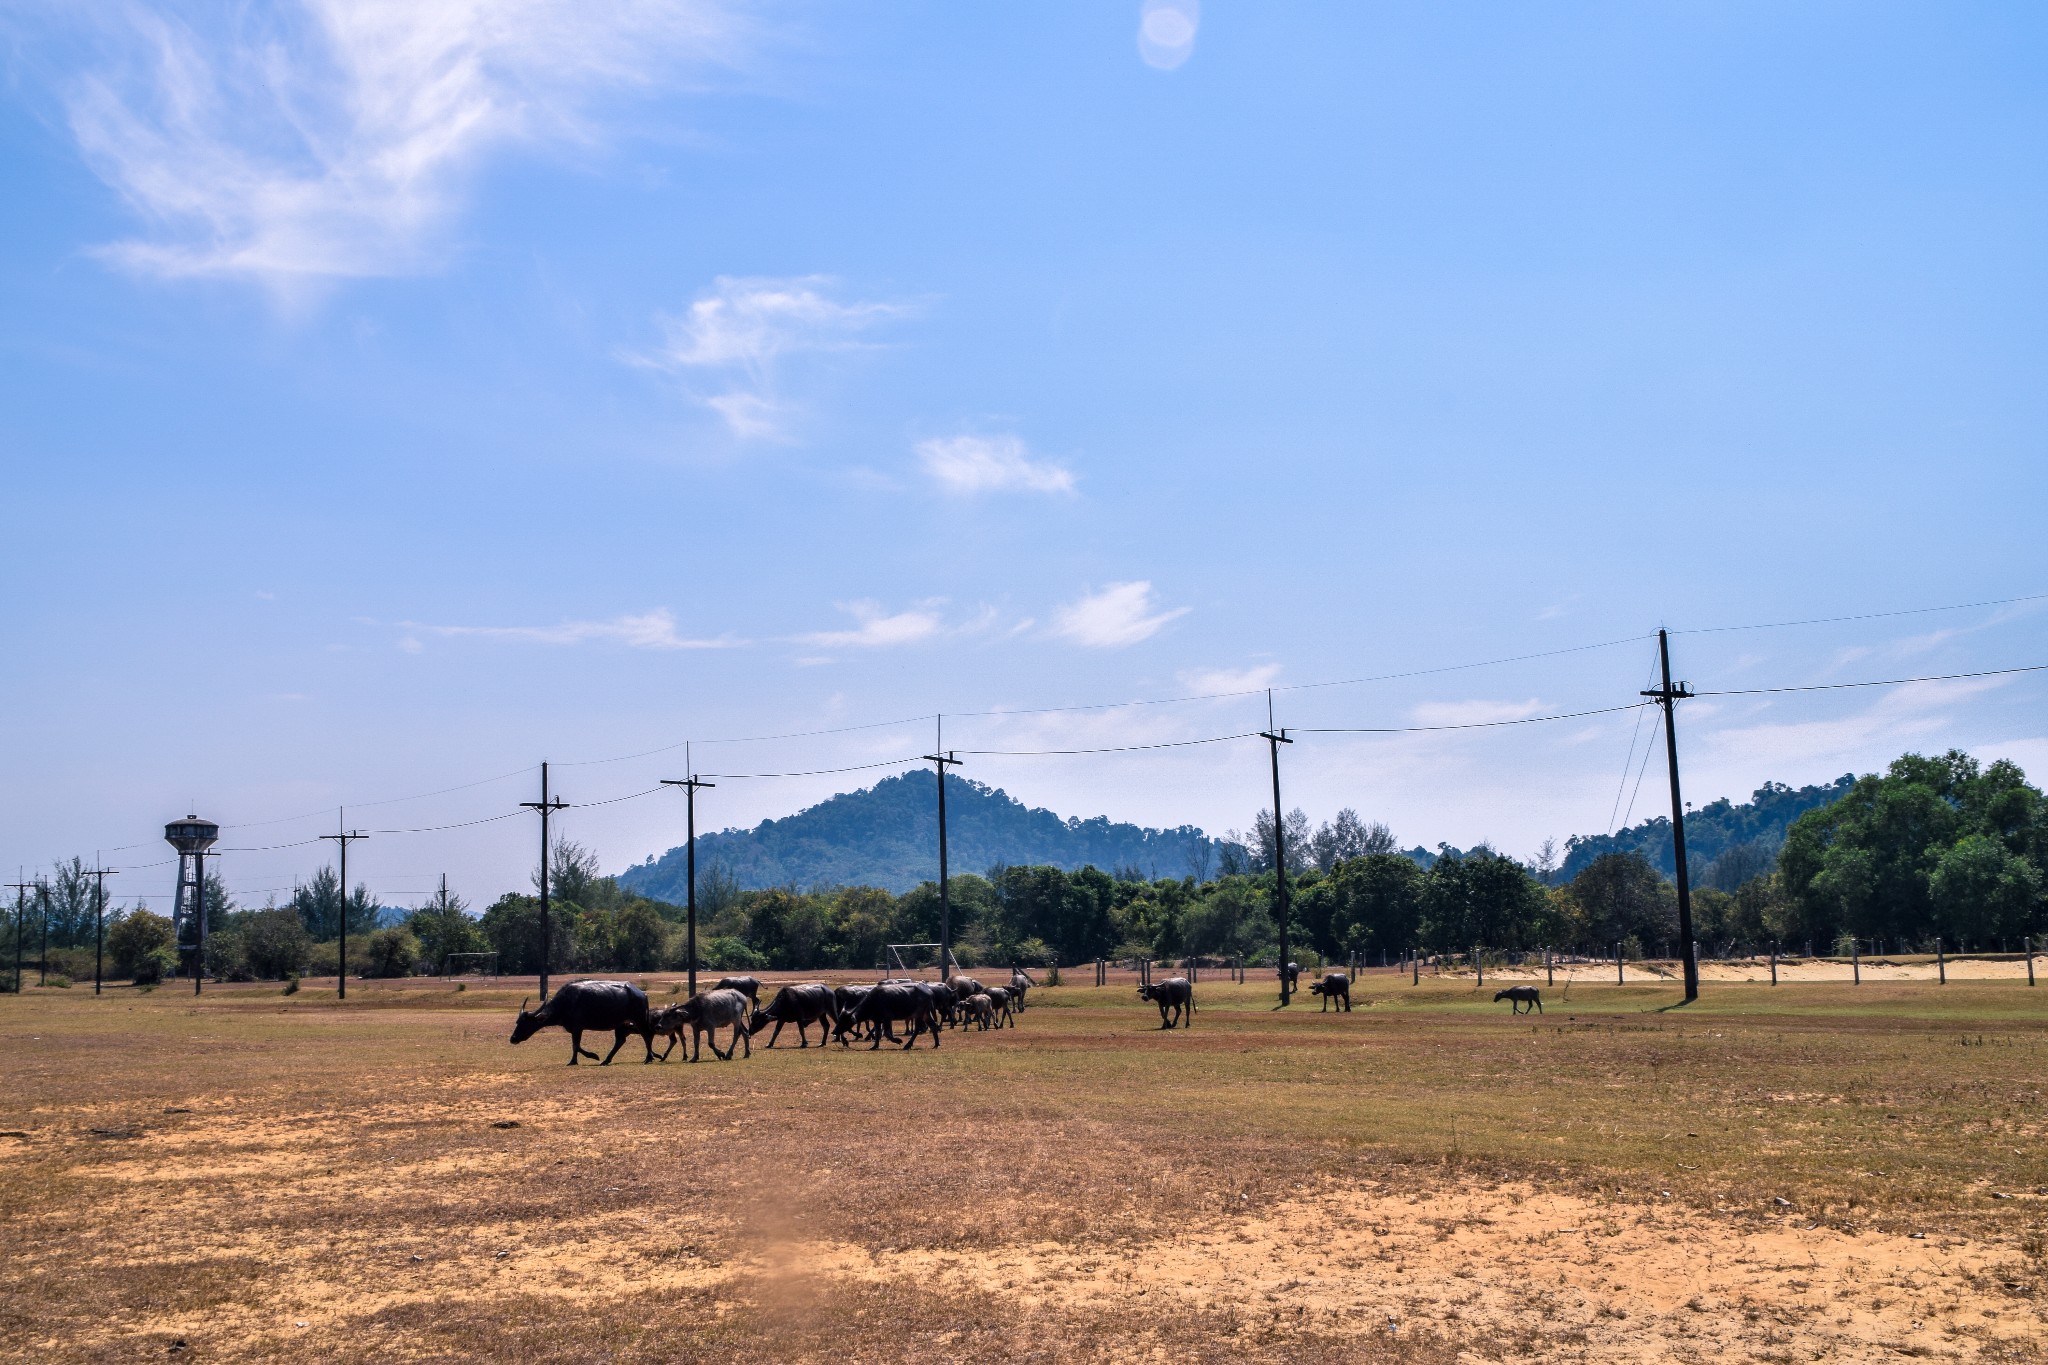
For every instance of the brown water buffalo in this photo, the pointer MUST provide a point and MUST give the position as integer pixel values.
(708, 1013)
(1003, 1007)
(1175, 998)
(978, 1010)
(1334, 986)
(615, 1007)
(1520, 996)
(804, 1005)
(1020, 983)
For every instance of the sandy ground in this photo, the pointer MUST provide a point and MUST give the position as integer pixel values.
(1565, 1278)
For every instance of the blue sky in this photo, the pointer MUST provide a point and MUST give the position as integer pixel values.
(394, 396)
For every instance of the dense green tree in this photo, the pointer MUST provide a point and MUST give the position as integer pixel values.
(321, 905)
(1619, 896)
(1485, 899)
(390, 952)
(512, 926)
(1933, 846)
(444, 928)
(1367, 904)
(134, 937)
(275, 943)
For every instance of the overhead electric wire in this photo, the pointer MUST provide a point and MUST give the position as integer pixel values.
(1648, 749)
(1109, 749)
(1877, 682)
(1463, 725)
(1864, 616)
(816, 772)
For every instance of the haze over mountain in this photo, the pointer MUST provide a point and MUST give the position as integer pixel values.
(887, 836)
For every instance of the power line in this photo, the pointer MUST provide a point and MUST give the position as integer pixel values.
(1865, 616)
(1878, 682)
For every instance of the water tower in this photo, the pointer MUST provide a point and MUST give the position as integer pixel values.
(191, 836)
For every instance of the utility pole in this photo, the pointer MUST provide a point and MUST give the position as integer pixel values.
(1274, 739)
(546, 806)
(43, 966)
(944, 759)
(689, 785)
(99, 919)
(343, 839)
(1668, 696)
(20, 924)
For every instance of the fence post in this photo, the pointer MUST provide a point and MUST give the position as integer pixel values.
(1856, 961)
(1549, 968)
(1415, 966)
(2029, 946)
(1774, 964)
(1617, 966)
(1940, 960)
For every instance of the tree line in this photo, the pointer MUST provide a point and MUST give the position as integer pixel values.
(1932, 848)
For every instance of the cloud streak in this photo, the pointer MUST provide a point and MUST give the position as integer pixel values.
(740, 332)
(306, 143)
(650, 630)
(878, 628)
(1121, 614)
(970, 465)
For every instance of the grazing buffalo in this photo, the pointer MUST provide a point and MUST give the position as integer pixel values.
(1175, 998)
(1520, 996)
(745, 985)
(615, 1007)
(1020, 982)
(977, 1009)
(811, 1003)
(1290, 977)
(708, 1013)
(1334, 986)
(910, 1002)
(1004, 1007)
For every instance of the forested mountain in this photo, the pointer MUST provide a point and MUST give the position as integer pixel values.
(887, 836)
(1725, 844)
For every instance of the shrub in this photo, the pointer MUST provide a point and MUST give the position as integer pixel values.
(730, 955)
(291, 984)
(75, 963)
(158, 964)
(59, 980)
(131, 940)
(390, 952)
(226, 958)
(275, 943)
(324, 958)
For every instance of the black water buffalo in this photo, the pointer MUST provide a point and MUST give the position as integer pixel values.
(810, 1003)
(844, 998)
(708, 1013)
(1334, 986)
(615, 1007)
(911, 1002)
(1020, 982)
(1520, 996)
(1290, 976)
(1175, 998)
(745, 985)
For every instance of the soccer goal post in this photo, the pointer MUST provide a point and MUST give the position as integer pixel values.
(470, 964)
(919, 957)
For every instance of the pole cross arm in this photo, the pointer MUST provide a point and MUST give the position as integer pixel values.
(950, 756)
(1682, 692)
(554, 805)
(1278, 738)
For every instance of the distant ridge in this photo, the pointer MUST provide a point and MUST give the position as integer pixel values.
(887, 836)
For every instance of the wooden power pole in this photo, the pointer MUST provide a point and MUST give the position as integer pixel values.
(689, 785)
(1668, 696)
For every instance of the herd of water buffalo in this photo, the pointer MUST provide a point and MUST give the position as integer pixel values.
(846, 1013)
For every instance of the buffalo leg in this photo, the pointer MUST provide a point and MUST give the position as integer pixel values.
(619, 1037)
(771, 1037)
(740, 1035)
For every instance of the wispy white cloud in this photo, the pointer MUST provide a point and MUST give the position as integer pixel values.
(1121, 614)
(650, 630)
(878, 628)
(739, 332)
(1900, 717)
(1166, 31)
(306, 142)
(1473, 712)
(1212, 681)
(991, 464)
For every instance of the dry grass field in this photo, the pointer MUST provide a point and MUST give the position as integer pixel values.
(1811, 1172)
